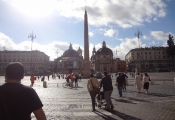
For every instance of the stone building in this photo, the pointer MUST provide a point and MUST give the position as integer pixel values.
(33, 61)
(102, 60)
(149, 59)
(70, 62)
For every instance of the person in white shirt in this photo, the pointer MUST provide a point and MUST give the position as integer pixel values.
(138, 82)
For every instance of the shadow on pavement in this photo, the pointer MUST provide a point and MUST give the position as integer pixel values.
(159, 95)
(122, 100)
(119, 114)
(135, 99)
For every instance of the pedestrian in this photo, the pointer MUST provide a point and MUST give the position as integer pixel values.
(76, 80)
(106, 83)
(18, 101)
(138, 82)
(92, 82)
(79, 77)
(120, 81)
(48, 77)
(146, 80)
(42, 79)
(125, 77)
(32, 79)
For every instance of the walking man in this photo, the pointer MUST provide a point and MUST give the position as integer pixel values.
(17, 101)
(120, 80)
(106, 82)
(32, 79)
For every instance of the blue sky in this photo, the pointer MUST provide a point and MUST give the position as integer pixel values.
(57, 23)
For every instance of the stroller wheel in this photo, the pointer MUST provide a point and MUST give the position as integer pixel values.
(105, 105)
(99, 106)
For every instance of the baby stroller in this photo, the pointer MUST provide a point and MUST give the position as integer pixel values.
(100, 100)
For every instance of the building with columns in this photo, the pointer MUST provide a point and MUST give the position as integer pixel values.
(102, 60)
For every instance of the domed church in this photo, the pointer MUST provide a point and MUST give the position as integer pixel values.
(70, 61)
(102, 59)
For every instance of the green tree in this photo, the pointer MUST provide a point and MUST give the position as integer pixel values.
(171, 48)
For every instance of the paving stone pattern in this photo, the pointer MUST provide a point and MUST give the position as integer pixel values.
(75, 104)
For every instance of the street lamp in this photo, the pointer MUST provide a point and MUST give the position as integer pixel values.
(32, 36)
(138, 34)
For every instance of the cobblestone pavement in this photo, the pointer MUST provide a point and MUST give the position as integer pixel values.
(75, 104)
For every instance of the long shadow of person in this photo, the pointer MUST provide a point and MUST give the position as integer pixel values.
(118, 114)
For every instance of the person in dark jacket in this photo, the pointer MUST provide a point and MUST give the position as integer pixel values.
(124, 77)
(106, 82)
(120, 80)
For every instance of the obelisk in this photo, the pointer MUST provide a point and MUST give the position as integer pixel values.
(86, 62)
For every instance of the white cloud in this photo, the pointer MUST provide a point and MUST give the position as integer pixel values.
(49, 49)
(155, 19)
(91, 34)
(125, 13)
(144, 37)
(160, 35)
(110, 33)
(122, 12)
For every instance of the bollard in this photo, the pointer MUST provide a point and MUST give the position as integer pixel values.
(44, 84)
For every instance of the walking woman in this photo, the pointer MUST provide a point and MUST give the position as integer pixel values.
(146, 79)
(138, 82)
(93, 82)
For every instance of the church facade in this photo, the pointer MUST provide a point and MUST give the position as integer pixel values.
(103, 60)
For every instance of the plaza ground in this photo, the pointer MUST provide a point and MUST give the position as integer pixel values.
(75, 104)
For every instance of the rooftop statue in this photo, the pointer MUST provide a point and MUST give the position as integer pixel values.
(170, 41)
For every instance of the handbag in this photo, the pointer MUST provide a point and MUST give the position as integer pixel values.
(126, 81)
(116, 84)
(95, 89)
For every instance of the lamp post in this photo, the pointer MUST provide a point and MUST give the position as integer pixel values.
(32, 36)
(138, 34)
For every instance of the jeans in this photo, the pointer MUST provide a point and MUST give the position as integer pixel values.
(107, 95)
(67, 80)
(120, 90)
(93, 99)
(124, 87)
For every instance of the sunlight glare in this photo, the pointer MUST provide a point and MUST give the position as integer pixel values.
(35, 8)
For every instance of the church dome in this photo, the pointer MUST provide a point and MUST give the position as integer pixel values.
(70, 52)
(104, 50)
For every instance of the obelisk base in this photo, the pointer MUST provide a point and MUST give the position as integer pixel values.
(86, 69)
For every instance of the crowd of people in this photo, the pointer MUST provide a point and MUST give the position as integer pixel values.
(70, 78)
(107, 88)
